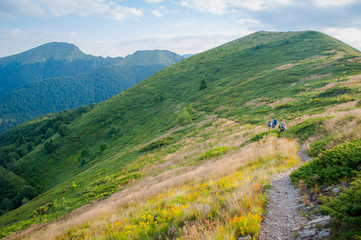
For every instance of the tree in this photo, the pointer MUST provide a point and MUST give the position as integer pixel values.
(6, 204)
(26, 192)
(49, 146)
(63, 130)
(10, 183)
(203, 84)
(184, 118)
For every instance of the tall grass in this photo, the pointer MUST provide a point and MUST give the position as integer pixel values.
(220, 198)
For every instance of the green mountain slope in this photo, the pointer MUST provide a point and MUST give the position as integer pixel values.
(289, 75)
(36, 82)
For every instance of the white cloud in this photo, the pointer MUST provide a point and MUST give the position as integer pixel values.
(250, 22)
(61, 8)
(218, 7)
(333, 3)
(154, 1)
(181, 44)
(14, 33)
(186, 23)
(159, 12)
(221, 7)
(351, 36)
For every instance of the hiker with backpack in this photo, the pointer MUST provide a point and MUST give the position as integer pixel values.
(282, 126)
(269, 124)
(274, 122)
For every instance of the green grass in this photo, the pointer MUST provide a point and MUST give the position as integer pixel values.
(244, 84)
(216, 152)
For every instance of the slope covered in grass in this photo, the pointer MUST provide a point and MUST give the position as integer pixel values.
(167, 124)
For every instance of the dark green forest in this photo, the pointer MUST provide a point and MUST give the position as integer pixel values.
(19, 141)
(58, 76)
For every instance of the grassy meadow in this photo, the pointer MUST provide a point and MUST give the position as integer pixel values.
(176, 161)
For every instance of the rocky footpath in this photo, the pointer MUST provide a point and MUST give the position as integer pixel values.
(287, 211)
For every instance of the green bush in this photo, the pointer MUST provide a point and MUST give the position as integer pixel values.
(346, 208)
(259, 136)
(286, 105)
(156, 144)
(6, 204)
(203, 84)
(63, 130)
(184, 118)
(49, 146)
(306, 128)
(340, 162)
(336, 91)
(320, 145)
(27, 192)
(218, 151)
(103, 146)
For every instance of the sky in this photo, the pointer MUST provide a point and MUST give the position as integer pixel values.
(120, 27)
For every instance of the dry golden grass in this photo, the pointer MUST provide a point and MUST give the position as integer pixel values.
(353, 81)
(208, 172)
(151, 186)
(282, 101)
(286, 66)
(316, 76)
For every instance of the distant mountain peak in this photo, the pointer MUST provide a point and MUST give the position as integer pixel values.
(54, 51)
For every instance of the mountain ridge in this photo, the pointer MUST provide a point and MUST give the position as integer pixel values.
(49, 51)
(167, 125)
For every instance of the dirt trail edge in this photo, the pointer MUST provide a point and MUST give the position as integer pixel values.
(283, 206)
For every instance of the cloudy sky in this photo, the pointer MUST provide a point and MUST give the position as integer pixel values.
(120, 27)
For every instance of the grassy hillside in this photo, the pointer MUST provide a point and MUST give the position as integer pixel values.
(58, 76)
(168, 134)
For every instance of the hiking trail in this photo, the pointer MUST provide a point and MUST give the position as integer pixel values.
(283, 208)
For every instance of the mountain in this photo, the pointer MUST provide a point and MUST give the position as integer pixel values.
(54, 51)
(186, 152)
(58, 76)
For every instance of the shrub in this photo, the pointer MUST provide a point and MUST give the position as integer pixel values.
(63, 130)
(49, 146)
(203, 84)
(259, 136)
(218, 151)
(6, 204)
(184, 118)
(306, 128)
(342, 161)
(347, 209)
(286, 105)
(26, 192)
(103, 146)
(332, 92)
(113, 131)
(156, 144)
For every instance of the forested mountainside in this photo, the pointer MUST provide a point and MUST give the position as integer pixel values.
(186, 153)
(58, 76)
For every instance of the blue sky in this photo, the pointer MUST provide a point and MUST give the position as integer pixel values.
(120, 27)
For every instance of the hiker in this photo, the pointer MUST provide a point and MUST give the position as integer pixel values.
(282, 126)
(274, 122)
(269, 125)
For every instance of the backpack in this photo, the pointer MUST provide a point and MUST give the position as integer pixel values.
(274, 122)
(282, 125)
